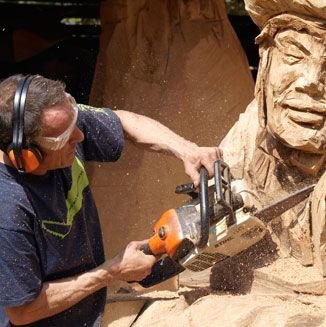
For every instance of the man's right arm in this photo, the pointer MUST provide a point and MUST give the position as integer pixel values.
(57, 296)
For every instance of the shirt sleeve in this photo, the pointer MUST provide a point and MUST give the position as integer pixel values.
(103, 133)
(20, 275)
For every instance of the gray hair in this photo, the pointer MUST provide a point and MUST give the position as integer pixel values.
(42, 93)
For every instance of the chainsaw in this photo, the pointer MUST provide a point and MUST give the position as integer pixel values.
(217, 223)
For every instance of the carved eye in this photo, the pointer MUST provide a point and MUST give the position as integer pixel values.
(292, 51)
(292, 58)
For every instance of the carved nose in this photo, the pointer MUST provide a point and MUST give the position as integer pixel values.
(310, 85)
(312, 80)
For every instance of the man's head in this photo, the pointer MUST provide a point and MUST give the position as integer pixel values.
(290, 86)
(49, 120)
(292, 82)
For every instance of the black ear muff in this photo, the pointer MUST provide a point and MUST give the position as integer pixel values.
(25, 157)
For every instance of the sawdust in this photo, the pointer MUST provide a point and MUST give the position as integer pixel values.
(143, 296)
(230, 310)
(290, 270)
(275, 299)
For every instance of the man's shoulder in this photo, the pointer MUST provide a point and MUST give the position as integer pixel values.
(95, 112)
(9, 186)
(103, 133)
(15, 205)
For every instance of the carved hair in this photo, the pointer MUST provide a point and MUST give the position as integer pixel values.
(261, 11)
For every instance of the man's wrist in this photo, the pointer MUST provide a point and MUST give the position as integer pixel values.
(112, 269)
(185, 148)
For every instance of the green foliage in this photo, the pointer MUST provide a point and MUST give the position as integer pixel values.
(235, 7)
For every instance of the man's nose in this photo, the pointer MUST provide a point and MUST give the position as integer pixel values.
(77, 136)
(312, 80)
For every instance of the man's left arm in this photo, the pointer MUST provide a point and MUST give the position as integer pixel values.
(158, 137)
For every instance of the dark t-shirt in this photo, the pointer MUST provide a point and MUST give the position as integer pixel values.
(49, 226)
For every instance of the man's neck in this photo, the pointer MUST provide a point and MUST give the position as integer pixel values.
(4, 159)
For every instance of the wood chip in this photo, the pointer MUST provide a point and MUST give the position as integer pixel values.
(142, 296)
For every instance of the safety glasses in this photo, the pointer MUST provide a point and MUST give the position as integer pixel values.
(57, 143)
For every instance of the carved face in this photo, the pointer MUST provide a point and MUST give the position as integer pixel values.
(295, 90)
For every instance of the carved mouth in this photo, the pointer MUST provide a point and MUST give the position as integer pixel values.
(306, 105)
(306, 119)
(305, 111)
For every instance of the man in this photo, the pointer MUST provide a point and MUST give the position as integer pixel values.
(53, 271)
(279, 145)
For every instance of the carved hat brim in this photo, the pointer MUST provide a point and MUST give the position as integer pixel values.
(262, 10)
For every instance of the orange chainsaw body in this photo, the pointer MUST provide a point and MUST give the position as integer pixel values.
(168, 234)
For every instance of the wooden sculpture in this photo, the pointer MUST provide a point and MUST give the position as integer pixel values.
(279, 145)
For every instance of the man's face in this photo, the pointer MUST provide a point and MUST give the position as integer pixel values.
(295, 90)
(57, 121)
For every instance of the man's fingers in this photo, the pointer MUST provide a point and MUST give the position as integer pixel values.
(210, 168)
(202, 157)
(219, 153)
(192, 170)
(142, 243)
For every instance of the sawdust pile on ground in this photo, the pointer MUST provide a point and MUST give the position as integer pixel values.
(282, 294)
(290, 270)
(237, 311)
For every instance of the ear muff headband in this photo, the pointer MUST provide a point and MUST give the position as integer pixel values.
(18, 120)
(26, 158)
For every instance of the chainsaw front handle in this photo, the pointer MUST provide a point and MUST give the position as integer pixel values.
(204, 203)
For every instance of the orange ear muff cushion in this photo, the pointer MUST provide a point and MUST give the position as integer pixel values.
(31, 156)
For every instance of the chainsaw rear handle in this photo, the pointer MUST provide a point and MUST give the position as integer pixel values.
(162, 270)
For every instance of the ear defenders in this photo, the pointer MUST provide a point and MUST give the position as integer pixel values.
(25, 157)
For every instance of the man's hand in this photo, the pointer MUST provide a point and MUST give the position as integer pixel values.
(59, 295)
(132, 264)
(195, 157)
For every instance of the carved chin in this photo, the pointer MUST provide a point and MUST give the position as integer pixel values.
(293, 130)
(308, 162)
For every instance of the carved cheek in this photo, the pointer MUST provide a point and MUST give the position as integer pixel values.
(282, 74)
(277, 81)
(314, 71)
